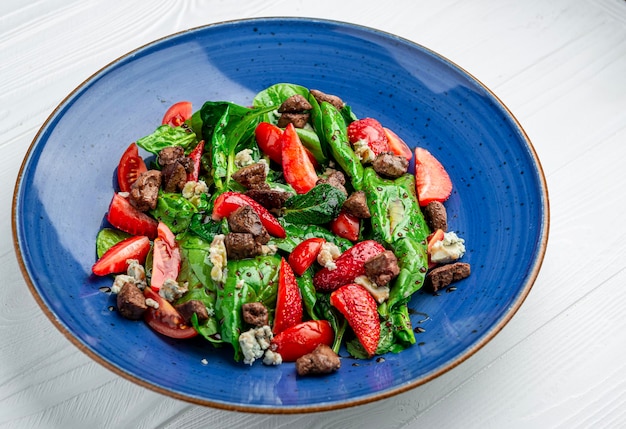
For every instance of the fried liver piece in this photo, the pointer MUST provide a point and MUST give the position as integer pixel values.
(382, 268)
(174, 177)
(145, 190)
(188, 308)
(332, 99)
(251, 176)
(271, 199)
(436, 216)
(322, 360)
(245, 219)
(299, 120)
(241, 245)
(130, 302)
(356, 205)
(390, 165)
(441, 277)
(334, 178)
(295, 104)
(255, 314)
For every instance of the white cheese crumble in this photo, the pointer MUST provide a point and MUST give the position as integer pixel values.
(152, 303)
(254, 343)
(380, 293)
(447, 250)
(265, 164)
(363, 151)
(329, 252)
(244, 158)
(272, 358)
(171, 290)
(268, 249)
(218, 257)
(120, 281)
(135, 274)
(193, 190)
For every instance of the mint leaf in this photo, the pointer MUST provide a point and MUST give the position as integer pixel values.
(318, 206)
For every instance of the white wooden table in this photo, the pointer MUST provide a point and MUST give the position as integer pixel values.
(559, 65)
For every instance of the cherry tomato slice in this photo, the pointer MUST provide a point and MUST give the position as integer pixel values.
(165, 257)
(397, 145)
(114, 260)
(304, 254)
(166, 320)
(302, 338)
(196, 157)
(131, 165)
(177, 114)
(346, 225)
(268, 138)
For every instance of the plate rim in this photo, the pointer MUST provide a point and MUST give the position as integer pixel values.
(533, 273)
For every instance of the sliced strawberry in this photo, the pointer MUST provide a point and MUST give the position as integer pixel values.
(350, 265)
(268, 138)
(302, 338)
(360, 310)
(124, 216)
(114, 260)
(228, 202)
(288, 301)
(432, 239)
(346, 226)
(431, 178)
(195, 156)
(397, 145)
(370, 131)
(298, 169)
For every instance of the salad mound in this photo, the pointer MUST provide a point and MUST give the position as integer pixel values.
(283, 230)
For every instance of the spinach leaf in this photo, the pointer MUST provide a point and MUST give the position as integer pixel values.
(175, 211)
(318, 206)
(336, 319)
(307, 290)
(412, 258)
(107, 238)
(203, 226)
(165, 136)
(394, 207)
(311, 141)
(276, 94)
(248, 280)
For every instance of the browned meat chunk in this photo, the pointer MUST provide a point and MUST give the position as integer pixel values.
(322, 360)
(241, 245)
(436, 216)
(334, 178)
(251, 176)
(170, 155)
(188, 308)
(356, 205)
(382, 268)
(130, 302)
(269, 198)
(295, 104)
(144, 192)
(390, 165)
(245, 219)
(441, 277)
(299, 120)
(174, 177)
(332, 99)
(255, 314)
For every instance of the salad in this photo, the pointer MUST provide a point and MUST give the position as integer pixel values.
(283, 230)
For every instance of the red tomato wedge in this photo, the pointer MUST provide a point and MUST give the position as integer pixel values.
(196, 157)
(361, 311)
(228, 202)
(397, 145)
(370, 131)
(304, 254)
(166, 320)
(268, 138)
(288, 301)
(124, 216)
(177, 114)
(131, 165)
(431, 178)
(165, 257)
(298, 169)
(114, 260)
(302, 338)
(346, 225)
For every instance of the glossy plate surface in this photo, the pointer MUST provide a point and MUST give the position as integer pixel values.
(499, 204)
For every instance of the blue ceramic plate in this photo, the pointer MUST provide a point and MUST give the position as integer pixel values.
(499, 204)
